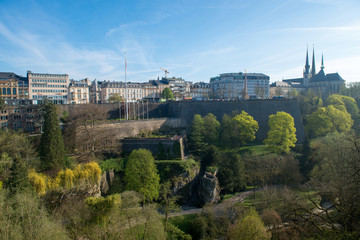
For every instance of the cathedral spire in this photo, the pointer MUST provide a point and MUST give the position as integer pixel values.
(307, 66)
(313, 71)
(322, 61)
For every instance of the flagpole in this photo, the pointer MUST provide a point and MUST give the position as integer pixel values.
(126, 93)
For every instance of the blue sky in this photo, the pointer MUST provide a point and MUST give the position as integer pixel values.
(192, 39)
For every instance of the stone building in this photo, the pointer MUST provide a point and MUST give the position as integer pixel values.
(134, 91)
(324, 84)
(201, 91)
(13, 86)
(78, 92)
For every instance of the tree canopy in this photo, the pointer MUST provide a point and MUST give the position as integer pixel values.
(238, 130)
(196, 140)
(141, 174)
(281, 136)
(167, 94)
(328, 119)
(115, 98)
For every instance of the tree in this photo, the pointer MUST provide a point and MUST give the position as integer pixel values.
(231, 173)
(251, 227)
(52, 152)
(245, 128)
(115, 98)
(211, 128)
(82, 121)
(260, 91)
(336, 179)
(293, 93)
(196, 141)
(18, 181)
(278, 92)
(167, 94)
(238, 130)
(168, 202)
(141, 174)
(281, 136)
(328, 119)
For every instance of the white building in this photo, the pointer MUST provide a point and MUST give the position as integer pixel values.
(53, 87)
(240, 85)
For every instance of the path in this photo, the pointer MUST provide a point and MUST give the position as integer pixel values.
(218, 208)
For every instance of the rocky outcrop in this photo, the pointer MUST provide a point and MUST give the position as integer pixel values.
(201, 190)
(106, 181)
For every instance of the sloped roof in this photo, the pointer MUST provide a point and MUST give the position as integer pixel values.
(334, 77)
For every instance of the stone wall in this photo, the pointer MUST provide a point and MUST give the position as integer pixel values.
(107, 134)
(259, 109)
(162, 148)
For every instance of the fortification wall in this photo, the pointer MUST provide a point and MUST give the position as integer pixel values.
(106, 134)
(259, 109)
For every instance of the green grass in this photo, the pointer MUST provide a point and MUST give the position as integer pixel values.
(255, 150)
(184, 222)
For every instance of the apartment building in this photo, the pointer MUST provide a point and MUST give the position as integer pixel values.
(78, 92)
(134, 91)
(53, 87)
(201, 91)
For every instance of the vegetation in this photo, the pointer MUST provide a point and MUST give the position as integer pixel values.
(115, 98)
(281, 136)
(167, 94)
(141, 174)
(52, 152)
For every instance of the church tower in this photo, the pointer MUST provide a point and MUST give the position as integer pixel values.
(313, 70)
(306, 74)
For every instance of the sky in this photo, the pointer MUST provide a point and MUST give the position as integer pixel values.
(192, 39)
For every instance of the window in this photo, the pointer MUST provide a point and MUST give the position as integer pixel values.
(8, 91)
(14, 91)
(4, 91)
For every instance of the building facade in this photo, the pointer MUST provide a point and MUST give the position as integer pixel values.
(201, 91)
(78, 92)
(131, 91)
(13, 86)
(234, 86)
(53, 87)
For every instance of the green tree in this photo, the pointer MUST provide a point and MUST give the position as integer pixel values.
(196, 140)
(327, 120)
(231, 173)
(211, 128)
(251, 227)
(238, 130)
(18, 181)
(141, 174)
(281, 136)
(167, 94)
(168, 202)
(115, 98)
(52, 152)
(245, 127)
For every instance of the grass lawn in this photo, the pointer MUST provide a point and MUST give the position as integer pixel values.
(255, 150)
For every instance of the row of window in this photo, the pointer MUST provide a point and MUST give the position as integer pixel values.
(49, 86)
(7, 91)
(51, 97)
(48, 75)
(49, 80)
(48, 90)
(122, 90)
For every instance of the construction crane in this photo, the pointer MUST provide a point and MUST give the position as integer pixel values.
(166, 72)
